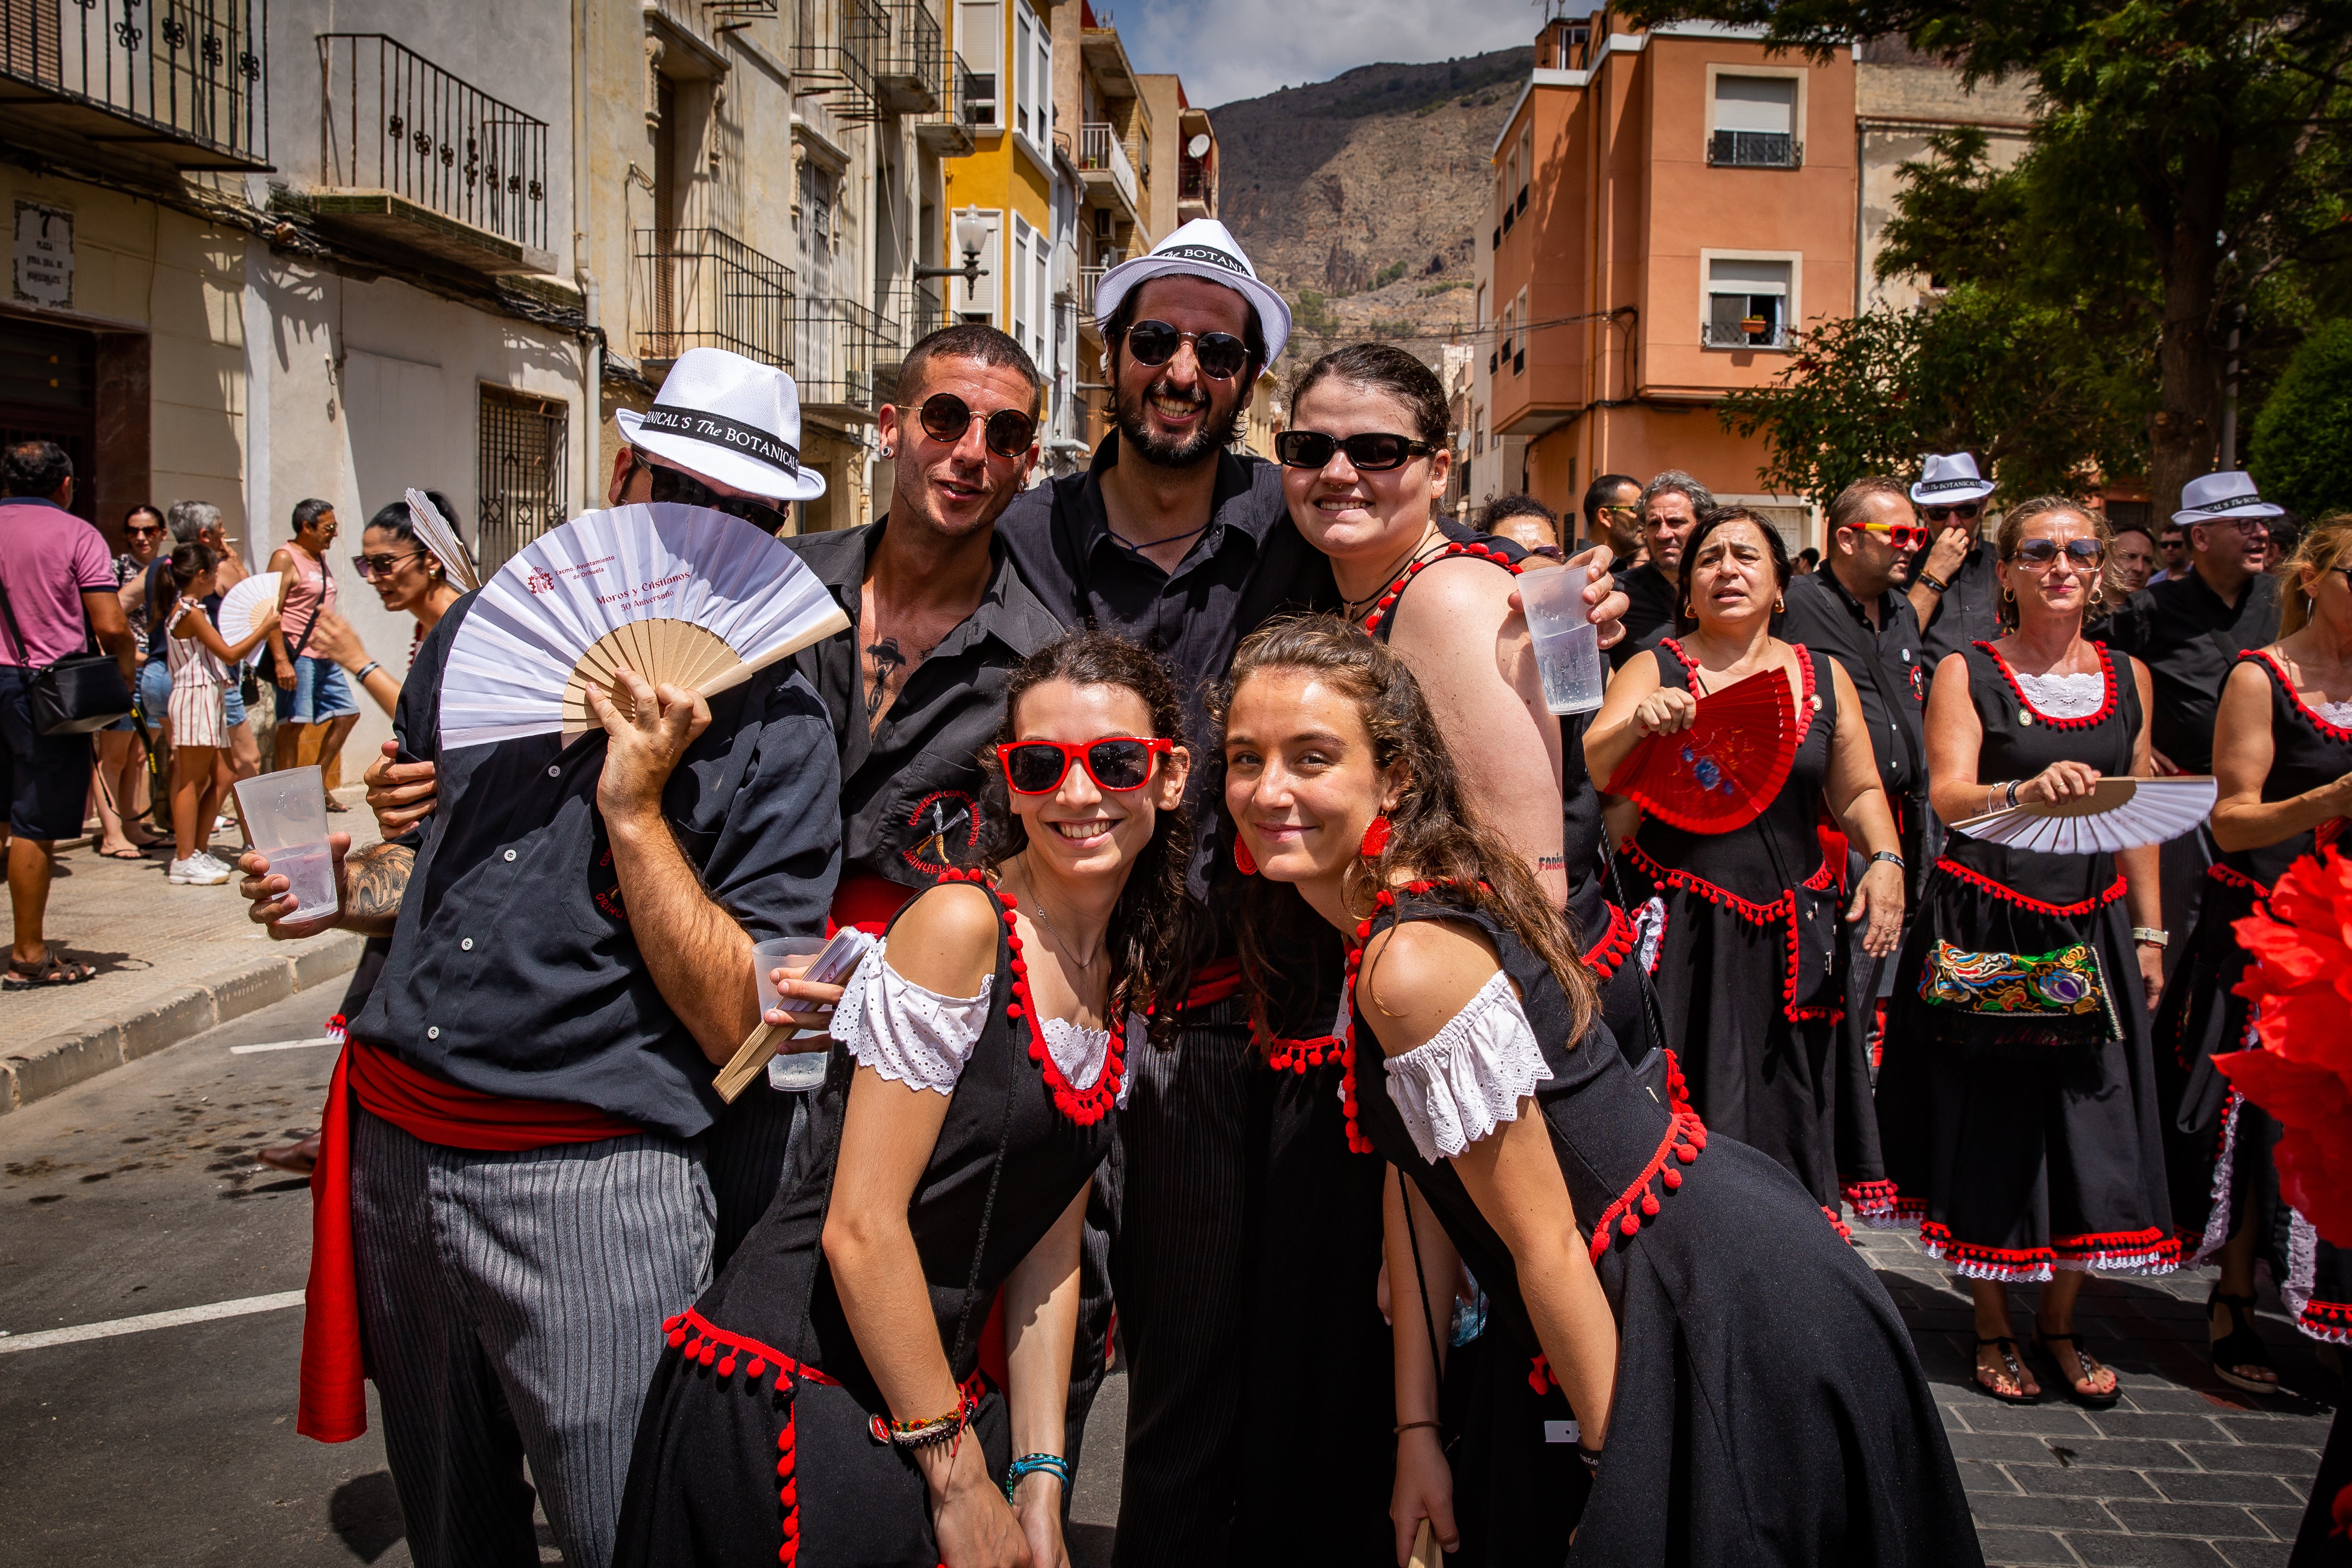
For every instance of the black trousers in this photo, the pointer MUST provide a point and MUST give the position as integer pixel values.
(1246, 1263)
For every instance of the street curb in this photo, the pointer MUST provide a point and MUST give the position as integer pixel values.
(60, 1061)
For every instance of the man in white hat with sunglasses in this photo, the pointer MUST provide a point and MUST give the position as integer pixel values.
(514, 1180)
(2188, 631)
(1953, 588)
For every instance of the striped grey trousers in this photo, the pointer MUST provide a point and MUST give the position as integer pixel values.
(511, 1307)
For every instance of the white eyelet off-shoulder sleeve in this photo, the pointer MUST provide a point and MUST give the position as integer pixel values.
(904, 1032)
(1467, 1079)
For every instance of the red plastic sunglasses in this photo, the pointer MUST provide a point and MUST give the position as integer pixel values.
(1117, 763)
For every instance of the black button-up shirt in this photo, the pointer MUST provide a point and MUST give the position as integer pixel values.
(513, 971)
(2189, 637)
(1250, 564)
(910, 790)
(1890, 677)
(1971, 607)
(1649, 612)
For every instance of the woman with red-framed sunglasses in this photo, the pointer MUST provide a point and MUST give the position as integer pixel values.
(979, 1060)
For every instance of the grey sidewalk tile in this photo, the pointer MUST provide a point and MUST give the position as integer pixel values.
(2128, 1452)
(2310, 1431)
(2003, 1448)
(2143, 1551)
(2150, 1394)
(2024, 1548)
(2256, 1553)
(2268, 1459)
(1977, 1476)
(2162, 1425)
(2282, 1521)
(2058, 1422)
(2053, 1479)
(2201, 1486)
(2040, 1512)
(2186, 1519)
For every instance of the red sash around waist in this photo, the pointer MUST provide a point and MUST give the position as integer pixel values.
(333, 1404)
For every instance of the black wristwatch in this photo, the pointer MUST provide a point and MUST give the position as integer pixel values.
(1889, 855)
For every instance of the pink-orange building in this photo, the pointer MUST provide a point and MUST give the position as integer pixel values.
(1668, 206)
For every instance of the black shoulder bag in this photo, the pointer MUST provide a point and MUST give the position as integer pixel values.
(79, 693)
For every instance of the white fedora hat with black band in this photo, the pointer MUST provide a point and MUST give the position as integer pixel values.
(1202, 249)
(2221, 498)
(1948, 478)
(728, 419)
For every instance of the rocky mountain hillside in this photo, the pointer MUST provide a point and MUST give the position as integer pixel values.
(1362, 198)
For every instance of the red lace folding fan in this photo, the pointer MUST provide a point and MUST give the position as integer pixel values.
(1719, 775)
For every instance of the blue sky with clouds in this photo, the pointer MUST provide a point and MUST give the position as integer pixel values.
(1227, 50)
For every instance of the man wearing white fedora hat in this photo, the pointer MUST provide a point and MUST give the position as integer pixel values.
(1952, 585)
(2189, 631)
(513, 1183)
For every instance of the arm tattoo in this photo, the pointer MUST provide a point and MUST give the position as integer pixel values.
(378, 876)
(1551, 863)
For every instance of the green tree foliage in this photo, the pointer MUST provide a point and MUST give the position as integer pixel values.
(2302, 442)
(2207, 145)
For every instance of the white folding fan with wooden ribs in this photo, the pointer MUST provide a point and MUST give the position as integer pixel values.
(680, 594)
(2118, 813)
(241, 604)
(434, 531)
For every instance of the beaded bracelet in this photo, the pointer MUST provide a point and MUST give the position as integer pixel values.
(921, 1434)
(1028, 1465)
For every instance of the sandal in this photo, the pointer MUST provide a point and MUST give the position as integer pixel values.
(129, 852)
(50, 971)
(2088, 1367)
(2241, 1346)
(2010, 1363)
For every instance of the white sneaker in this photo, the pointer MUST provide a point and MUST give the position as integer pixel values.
(228, 864)
(197, 872)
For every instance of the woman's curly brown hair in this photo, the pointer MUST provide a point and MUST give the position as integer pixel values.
(1150, 926)
(1433, 832)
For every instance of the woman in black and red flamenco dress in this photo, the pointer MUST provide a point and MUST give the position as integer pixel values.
(1728, 1367)
(2017, 1096)
(2282, 758)
(826, 1403)
(1749, 966)
(1366, 461)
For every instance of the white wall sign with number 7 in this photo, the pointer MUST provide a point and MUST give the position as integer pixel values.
(44, 255)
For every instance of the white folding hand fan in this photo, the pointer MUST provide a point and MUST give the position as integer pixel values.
(679, 594)
(433, 532)
(2118, 813)
(241, 604)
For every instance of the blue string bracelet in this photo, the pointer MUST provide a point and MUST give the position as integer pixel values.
(1029, 1465)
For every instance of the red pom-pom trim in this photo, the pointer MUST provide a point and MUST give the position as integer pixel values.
(1985, 884)
(1686, 1136)
(1377, 622)
(2089, 721)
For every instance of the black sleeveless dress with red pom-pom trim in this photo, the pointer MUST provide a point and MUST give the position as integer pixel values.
(1750, 965)
(755, 1443)
(1603, 931)
(2218, 1144)
(1769, 1406)
(2017, 1160)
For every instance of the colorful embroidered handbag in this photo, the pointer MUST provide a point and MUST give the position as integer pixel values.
(1994, 1000)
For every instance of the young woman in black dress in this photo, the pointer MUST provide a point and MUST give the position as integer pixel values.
(826, 1403)
(1750, 965)
(2027, 1143)
(2282, 758)
(1649, 1270)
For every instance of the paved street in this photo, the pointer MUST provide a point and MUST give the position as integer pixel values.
(136, 1194)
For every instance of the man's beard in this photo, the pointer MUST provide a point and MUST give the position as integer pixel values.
(1157, 450)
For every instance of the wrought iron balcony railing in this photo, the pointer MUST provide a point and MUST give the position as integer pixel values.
(835, 345)
(187, 80)
(392, 120)
(916, 312)
(840, 42)
(1755, 150)
(909, 71)
(1101, 151)
(702, 288)
(945, 129)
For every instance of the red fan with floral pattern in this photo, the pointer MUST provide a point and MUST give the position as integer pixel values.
(1719, 775)
(2301, 985)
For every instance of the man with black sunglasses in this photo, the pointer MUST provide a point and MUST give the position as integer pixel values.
(1953, 588)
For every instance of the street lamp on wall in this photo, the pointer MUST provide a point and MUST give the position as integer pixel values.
(971, 232)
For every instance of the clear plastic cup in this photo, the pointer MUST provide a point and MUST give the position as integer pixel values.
(285, 816)
(1566, 644)
(796, 1072)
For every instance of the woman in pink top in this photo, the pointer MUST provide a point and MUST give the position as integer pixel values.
(315, 708)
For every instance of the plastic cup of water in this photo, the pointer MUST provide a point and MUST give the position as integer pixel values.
(796, 1072)
(1567, 645)
(285, 818)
